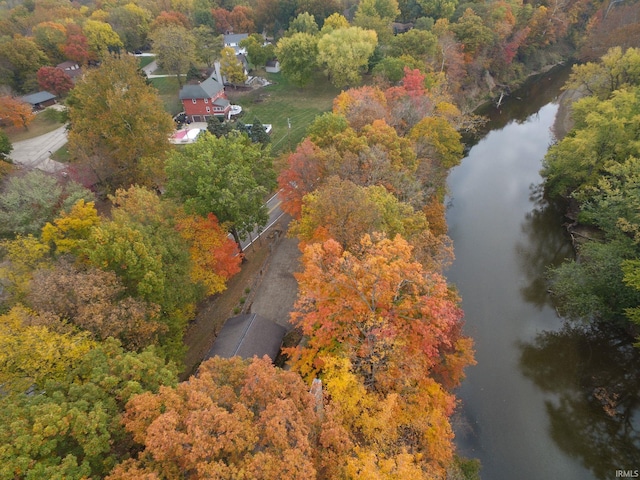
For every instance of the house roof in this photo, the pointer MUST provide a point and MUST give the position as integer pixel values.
(272, 63)
(221, 102)
(39, 97)
(247, 336)
(234, 38)
(207, 89)
(70, 68)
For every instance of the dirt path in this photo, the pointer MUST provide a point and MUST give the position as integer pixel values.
(265, 285)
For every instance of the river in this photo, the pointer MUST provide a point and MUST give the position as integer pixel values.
(547, 400)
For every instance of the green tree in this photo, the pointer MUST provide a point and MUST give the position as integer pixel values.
(345, 54)
(604, 132)
(131, 23)
(377, 15)
(5, 146)
(208, 44)
(258, 53)
(297, 55)
(438, 8)
(175, 47)
(72, 427)
(119, 127)
(303, 23)
(231, 67)
(101, 39)
(472, 33)
(29, 201)
(228, 176)
(142, 246)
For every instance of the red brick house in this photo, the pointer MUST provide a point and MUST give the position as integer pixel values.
(204, 99)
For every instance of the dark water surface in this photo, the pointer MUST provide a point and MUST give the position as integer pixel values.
(546, 400)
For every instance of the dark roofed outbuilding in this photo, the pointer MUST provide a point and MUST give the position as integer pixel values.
(39, 100)
(247, 336)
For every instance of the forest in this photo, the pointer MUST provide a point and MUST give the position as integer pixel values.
(102, 269)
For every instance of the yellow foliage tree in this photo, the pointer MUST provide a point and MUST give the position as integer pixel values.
(70, 231)
(32, 354)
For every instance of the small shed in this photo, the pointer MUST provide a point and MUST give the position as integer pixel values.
(247, 336)
(39, 100)
(272, 66)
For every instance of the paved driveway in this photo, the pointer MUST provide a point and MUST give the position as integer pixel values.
(36, 152)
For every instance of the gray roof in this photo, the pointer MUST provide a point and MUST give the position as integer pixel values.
(246, 336)
(221, 102)
(207, 89)
(39, 97)
(234, 38)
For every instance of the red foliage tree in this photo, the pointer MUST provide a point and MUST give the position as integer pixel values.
(306, 170)
(54, 80)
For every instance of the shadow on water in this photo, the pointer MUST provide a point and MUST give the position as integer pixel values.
(546, 244)
(591, 375)
(535, 93)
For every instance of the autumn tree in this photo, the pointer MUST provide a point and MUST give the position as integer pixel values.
(344, 211)
(175, 49)
(16, 112)
(102, 40)
(50, 36)
(131, 22)
(20, 58)
(32, 354)
(228, 176)
(306, 168)
(72, 427)
(381, 310)
(345, 53)
(54, 80)
(93, 300)
(150, 258)
(297, 55)
(231, 67)
(70, 230)
(214, 256)
(76, 46)
(234, 416)
(111, 109)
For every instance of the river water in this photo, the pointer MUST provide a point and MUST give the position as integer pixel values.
(547, 400)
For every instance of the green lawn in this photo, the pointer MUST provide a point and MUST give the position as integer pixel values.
(144, 61)
(277, 104)
(282, 102)
(168, 90)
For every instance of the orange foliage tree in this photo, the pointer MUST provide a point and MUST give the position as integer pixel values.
(15, 112)
(380, 309)
(214, 256)
(235, 419)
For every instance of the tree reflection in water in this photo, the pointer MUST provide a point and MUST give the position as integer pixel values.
(594, 410)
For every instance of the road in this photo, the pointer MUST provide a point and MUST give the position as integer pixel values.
(36, 152)
(275, 213)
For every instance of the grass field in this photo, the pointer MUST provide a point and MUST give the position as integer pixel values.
(282, 102)
(144, 61)
(168, 90)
